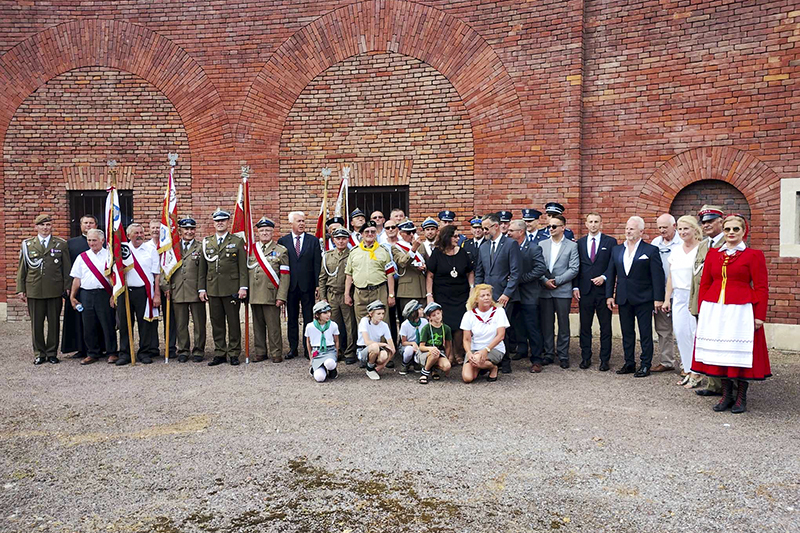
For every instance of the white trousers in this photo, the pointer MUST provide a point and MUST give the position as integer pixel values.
(684, 325)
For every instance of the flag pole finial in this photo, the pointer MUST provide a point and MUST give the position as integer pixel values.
(173, 159)
(112, 171)
(245, 171)
(326, 172)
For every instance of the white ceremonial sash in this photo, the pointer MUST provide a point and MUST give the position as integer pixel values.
(416, 257)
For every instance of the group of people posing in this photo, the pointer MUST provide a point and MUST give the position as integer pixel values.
(477, 302)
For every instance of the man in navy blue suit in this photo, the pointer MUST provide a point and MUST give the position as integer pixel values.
(497, 264)
(594, 251)
(305, 259)
(636, 270)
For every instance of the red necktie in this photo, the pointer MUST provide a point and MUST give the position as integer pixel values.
(593, 251)
(297, 246)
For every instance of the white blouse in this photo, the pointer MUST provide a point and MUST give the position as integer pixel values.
(681, 266)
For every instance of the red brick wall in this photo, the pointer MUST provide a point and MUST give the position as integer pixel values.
(712, 192)
(607, 105)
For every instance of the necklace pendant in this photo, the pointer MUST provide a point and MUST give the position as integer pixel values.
(453, 273)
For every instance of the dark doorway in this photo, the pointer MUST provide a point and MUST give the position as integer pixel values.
(382, 199)
(94, 203)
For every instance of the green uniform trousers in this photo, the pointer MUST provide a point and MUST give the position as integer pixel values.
(267, 324)
(222, 310)
(362, 298)
(181, 315)
(344, 316)
(40, 309)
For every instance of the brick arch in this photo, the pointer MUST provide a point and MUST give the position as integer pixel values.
(432, 36)
(752, 177)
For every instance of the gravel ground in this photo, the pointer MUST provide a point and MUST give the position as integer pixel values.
(184, 447)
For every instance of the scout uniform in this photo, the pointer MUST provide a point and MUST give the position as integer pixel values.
(43, 277)
(269, 282)
(369, 270)
(411, 282)
(331, 289)
(185, 286)
(226, 273)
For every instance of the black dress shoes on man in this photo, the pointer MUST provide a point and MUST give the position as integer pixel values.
(505, 365)
(290, 355)
(564, 364)
(218, 360)
(40, 360)
(584, 365)
(643, 372)
(53, 360)
(627, 369)
(234, 360)
(603, 366)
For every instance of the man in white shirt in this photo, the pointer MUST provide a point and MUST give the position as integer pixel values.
(379, 219)
(666, 242)
(145, 298)
(92, 290)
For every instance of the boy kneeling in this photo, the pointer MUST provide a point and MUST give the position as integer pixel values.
(409, 335)
(435, 342)
(369, 347)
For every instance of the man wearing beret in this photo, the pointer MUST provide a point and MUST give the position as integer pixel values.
(269, 289)
(42, 279)
(370, 270)
(184, 289)
(226, 286)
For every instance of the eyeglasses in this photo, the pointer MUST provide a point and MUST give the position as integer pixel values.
(555, 226)
(368, 231)
(377, 217)
(489, 226)
(390, 227)
(732, 229)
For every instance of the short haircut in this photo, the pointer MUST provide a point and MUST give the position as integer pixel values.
(593, 214)
(491, 217)
(295, 214)
(691, 221)
(96, 232)
(561, 218)
(96, 222)
(131, 226)
(518, 224)
(396, 210)
(639, 221)
(155, 221)
(671, 218)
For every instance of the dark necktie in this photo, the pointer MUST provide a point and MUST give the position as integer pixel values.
(491, 253)
(593, 251)
(219, 241)
(297, 246)
(264, 248)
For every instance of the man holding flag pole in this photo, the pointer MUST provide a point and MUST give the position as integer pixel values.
(243, 228)
(169, 249)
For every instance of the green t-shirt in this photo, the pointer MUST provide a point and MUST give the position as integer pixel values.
(432, 336)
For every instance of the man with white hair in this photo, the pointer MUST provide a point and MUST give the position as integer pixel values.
(305, 259)
(666, 242)
(635, 269)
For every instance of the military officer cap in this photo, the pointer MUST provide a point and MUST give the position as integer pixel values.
(710, 212)
(430, 308)
(41, 219)
(429, 223)
(321, 307)
(187, 222)
(265, 223)
(220, 214)
(341, 232)
(335, 220)
(530, 214)
(476, 221)
(406, 225)
(411, 308)
(505, 216)
(554, 208)
(375, 305)
(357, 213)
(446, 216)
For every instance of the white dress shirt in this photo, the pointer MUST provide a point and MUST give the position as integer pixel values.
(45, 241)
(79, 269)
(596, 238)
(627, 257)
(147, 257)
(665, 248)
(294, 240)
(555, 247)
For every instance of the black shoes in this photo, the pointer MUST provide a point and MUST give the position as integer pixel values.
(518, 356)
(603, 366)
(390, 364)
(350, 360)
(626, 369)
(741, 398)
(643, 372)
(546, 362)
(53, 360)
(218, 360)
(505, 365)
(145, 359)
(727, 399)
(332, 374)
(584, 365)
(290, 355)
(40, 360)
(234, 360)
(183, 358)
(707, 392)
(197, 358)
(564, 364)
(123, 360)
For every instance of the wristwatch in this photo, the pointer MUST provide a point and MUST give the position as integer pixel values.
(391, 296)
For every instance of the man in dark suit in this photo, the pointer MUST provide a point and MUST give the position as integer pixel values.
(498, 265)
(472, 245)
(305, 258)
(526, 310)
(588, 288)
(635, 268)
(72, 336)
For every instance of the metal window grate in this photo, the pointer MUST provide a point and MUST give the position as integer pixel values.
(94, 203)
(382, 199)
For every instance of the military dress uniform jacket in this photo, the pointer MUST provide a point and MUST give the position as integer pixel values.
(411, 283)
(697, 271)
(190, 277)
(262, 290)
(225, 264)
(333, 261)
(51, 278)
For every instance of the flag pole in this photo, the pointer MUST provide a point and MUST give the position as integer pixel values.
(112, 164)
(245, 175)
(173, 160)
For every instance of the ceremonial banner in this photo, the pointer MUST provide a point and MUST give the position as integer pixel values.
(168, 239)
(117, 241)
(341, 200)
(242, 217)
(320, 232)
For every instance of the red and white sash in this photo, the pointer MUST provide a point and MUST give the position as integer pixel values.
(416, 257)
(93, 269)
(150, 311)
(353, 241)
(481, 320)
(268, 270)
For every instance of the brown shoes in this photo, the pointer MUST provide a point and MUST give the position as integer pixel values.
(88, 361)
(536, 368)
(277, 359)
(258, 358)
(661, 368)
(112, 359)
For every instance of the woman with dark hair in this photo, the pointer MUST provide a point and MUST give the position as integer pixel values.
(730, 342)
(449, 280)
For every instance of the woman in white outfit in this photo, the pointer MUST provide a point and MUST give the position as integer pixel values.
(679, 284)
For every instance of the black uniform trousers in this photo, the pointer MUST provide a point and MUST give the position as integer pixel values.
(526, 322)
(629, 315)
(40, 309)
(148, 331)
(99, 323)
(295, 299)
(590, 305)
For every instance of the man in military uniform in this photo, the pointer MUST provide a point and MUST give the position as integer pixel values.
(531, 218)
(332, 282)
(430, 229)
(552, 209)
(184, 289)
(370, 270)
(411, 266)
(42, 279)
(226, 287)
(471, 245)
(269, 289)
(505, 221)
(72, 339)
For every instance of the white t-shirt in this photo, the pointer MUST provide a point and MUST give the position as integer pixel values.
(484, 331)
(409, 332)
(315, 335)
(147, 256)
(374, 331)
(681, 267)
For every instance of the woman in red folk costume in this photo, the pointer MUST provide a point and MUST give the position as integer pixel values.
(730, 342)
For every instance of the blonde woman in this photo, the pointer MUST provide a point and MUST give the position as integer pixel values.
(679, 285)
(484, 326)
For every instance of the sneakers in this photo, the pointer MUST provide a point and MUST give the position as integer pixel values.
(333, 374)
(373, 375)
(403, 369)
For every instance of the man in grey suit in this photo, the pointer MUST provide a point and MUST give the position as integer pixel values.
(498, 265)
(562, 260)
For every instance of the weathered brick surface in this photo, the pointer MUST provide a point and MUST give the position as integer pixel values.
(608, 105)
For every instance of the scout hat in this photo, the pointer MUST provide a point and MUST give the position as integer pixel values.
(321, 307)
(375, 305)
(411, 307)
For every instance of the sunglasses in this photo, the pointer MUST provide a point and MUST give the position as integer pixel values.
(555, 226)
(376, 218)
(733, 229)
(390, 227)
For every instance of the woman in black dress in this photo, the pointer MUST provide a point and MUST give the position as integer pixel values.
(450, 278)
